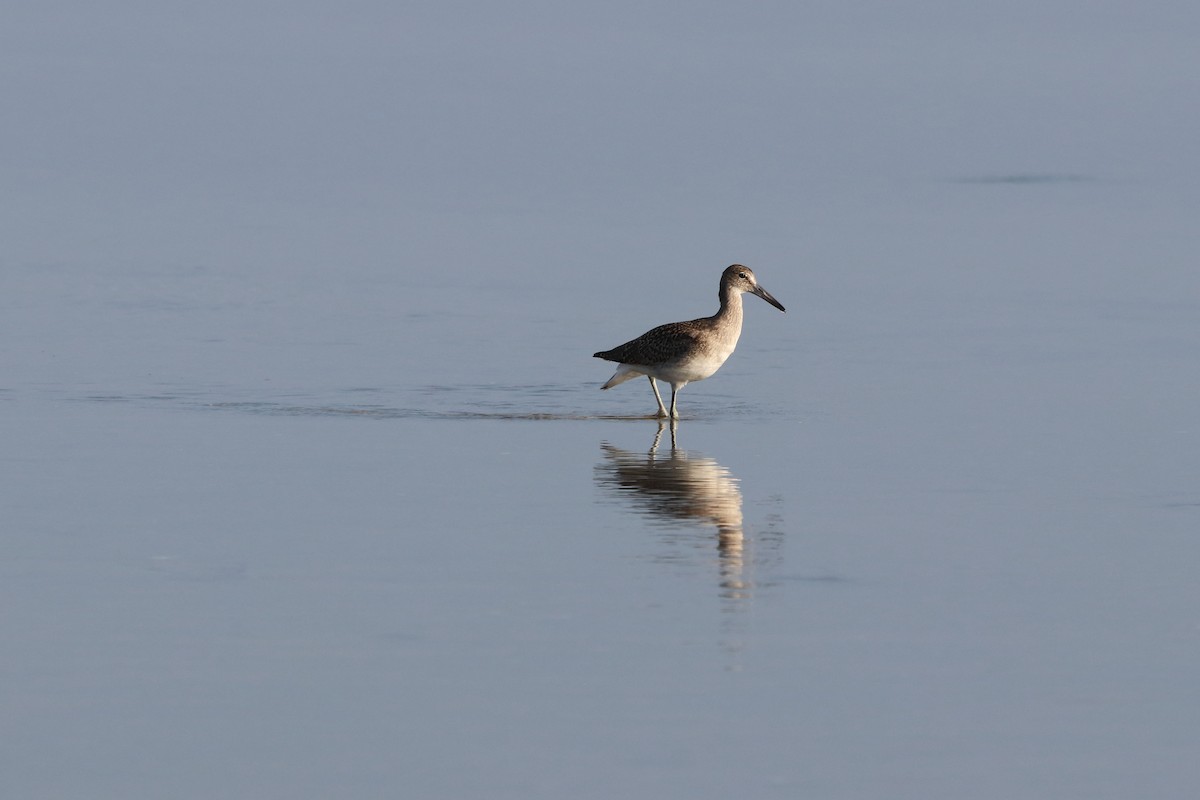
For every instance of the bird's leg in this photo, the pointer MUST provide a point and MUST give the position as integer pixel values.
(674, 392)
(662, 410)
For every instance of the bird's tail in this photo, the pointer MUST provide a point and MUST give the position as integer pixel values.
(623, 373)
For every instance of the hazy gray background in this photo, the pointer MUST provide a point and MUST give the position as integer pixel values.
(283, 285)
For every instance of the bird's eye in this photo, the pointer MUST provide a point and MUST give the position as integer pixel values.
(742, 275)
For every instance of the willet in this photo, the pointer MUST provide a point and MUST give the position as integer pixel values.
(682, 352)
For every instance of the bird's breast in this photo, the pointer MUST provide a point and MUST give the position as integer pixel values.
(705, 360)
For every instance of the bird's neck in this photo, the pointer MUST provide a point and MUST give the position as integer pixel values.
(731, 306)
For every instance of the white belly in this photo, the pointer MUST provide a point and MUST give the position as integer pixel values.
(699, 366)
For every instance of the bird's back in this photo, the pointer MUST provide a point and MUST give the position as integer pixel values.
(660, 345)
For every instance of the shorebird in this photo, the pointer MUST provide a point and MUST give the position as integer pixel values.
(682, 352)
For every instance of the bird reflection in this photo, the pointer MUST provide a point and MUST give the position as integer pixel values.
(683, 487)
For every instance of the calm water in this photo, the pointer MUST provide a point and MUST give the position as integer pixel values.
(310, 491)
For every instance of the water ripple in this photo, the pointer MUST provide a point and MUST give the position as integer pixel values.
(514, 402)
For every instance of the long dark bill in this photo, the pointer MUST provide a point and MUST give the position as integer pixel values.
(765, 295)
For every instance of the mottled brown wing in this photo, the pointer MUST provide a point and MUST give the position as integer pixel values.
(658, 346)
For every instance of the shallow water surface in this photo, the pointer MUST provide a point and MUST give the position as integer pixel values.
(310, 491)
(489, 604)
